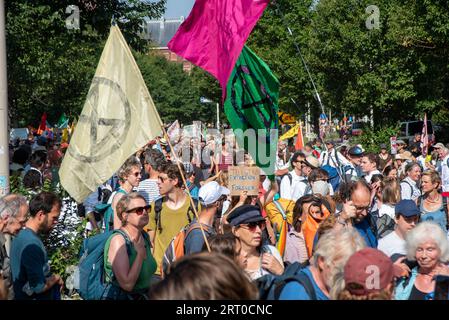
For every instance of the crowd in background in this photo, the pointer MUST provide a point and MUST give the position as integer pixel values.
(330, 212)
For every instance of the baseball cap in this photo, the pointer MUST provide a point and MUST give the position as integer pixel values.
(407, 208)
(211, 192)
(355, 151)
(313, 162)
(439, 145)
(362, 265)
(383, 146)
(245, 214)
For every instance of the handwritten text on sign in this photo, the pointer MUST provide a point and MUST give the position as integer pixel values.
(244, 179)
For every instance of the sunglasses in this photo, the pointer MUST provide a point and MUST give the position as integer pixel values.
(139, 210)
(253, 225)
(136, 174)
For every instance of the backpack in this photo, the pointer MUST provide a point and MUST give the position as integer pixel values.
(176, 249)
(334, 177)
(270, 286)
(93, 284)
(105, 209)
(158, 211)
(290, 178)
(408, 183)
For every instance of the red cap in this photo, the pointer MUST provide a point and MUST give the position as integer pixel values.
(369, 270)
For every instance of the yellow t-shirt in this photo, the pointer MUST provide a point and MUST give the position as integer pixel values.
(172, 221)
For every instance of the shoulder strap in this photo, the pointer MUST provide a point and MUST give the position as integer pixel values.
(190, 210)
(445, 205)
(302, 279)
(411, 187)
(194, 226)
(290, 178)
(281, 210)
(158, 210)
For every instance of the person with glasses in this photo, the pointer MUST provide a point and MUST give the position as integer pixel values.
(355, 198)
(170, 213)
(247, 225)
(128, 259)
(13, 216)
(211, 197)
(129, 176)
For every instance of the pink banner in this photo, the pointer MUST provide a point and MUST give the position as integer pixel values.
(213, 35)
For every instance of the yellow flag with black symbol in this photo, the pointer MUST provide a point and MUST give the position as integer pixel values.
(118, 118)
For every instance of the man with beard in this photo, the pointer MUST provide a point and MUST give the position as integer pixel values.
(211, 197)
(31, 275)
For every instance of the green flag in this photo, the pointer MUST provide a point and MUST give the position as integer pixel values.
(63, 122)
(251, 107)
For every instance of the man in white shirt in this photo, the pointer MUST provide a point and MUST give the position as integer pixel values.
(304, 187)
(406, 217)
(332, 157)
(294, 177)
(443, 152)
(369, 165)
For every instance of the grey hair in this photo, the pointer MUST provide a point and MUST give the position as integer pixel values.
(335, 247)
(10, 205)
(126, 168)
(423, 232)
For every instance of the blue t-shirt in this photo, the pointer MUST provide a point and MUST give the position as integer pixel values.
(295, 291)
(365, 231)
(29, 267)
(194, 241)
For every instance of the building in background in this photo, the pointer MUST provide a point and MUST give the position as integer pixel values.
(160, 32)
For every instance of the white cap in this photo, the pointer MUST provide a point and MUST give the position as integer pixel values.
(211, 192)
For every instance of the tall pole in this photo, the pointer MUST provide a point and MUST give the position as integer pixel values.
(218, 116)
(4, 145)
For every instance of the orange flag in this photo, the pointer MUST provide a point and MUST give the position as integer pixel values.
(299, 139)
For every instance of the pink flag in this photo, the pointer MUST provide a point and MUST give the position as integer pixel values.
(424, 137)
(213, 35)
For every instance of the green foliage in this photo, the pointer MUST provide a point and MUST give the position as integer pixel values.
(50, 68)
(176, 94)
(400, 69)
(371, 139)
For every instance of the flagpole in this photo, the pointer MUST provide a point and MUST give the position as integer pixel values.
(167, 138)
(300, 55)
(4, 141)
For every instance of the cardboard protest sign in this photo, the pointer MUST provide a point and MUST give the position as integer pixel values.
(243, 178)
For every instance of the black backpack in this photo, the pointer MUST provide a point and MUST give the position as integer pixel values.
(270, 286)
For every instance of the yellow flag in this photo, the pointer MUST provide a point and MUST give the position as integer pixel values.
(65, 135)
(290, 133)
(118, 118)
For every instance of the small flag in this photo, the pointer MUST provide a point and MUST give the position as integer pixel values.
(252, 109)
(299, 139)
(290, 133)
(214, 34)
(43, 125)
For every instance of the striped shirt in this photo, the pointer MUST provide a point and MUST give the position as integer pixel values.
(149, 189)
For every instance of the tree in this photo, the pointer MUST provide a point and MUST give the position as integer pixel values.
(176, 94)
(50, 68)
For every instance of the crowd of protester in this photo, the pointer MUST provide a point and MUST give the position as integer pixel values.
(314, 232)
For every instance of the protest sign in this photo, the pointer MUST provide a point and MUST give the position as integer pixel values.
(243, 178)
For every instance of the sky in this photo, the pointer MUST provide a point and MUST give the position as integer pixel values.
(177, 8)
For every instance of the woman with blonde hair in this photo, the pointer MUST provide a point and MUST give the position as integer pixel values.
(128, 262)
(129, 176)
(432, 204)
